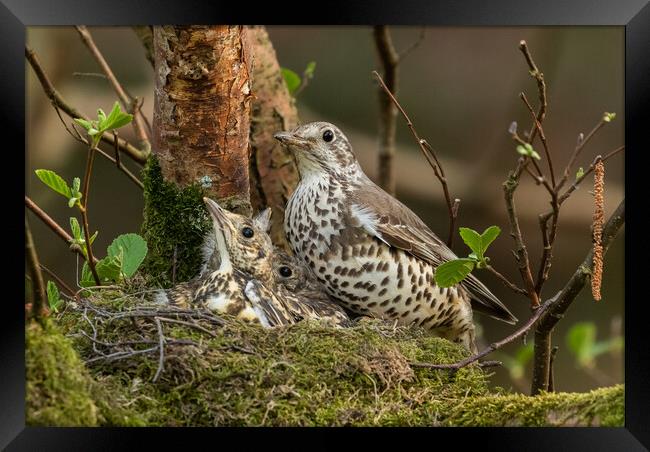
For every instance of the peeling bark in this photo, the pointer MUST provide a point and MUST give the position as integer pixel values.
(273, 173)
(202, 109)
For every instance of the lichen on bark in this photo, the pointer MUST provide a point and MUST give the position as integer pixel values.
(202, 109)
(273, 172)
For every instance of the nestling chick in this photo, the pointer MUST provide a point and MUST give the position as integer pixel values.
(230, 287)
(293, 283)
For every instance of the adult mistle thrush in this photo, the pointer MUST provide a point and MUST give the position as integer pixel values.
(369, 250)
(292, 282)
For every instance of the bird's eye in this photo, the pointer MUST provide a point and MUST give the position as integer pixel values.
(328, 136)
(285, 271)
(247, 232)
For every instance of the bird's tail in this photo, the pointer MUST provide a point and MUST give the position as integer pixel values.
(486, 302)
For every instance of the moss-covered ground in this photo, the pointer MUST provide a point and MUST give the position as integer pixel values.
(237, 374)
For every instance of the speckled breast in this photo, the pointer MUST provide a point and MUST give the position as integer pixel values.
(368, 276)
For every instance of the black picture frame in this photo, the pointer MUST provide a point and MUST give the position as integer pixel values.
(634, 15)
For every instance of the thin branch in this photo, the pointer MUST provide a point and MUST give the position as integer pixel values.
(539, 311)
(119, 164)
(541, 88)
(388, 113)
(129, 103)
(542, 357)
(589, 170)
(509, 187)
(59, 103)
(505, 281)
(53, 225)
(582, 141)
(38, 286)
(542, 137)
(404, 53)
(58, 280)
(84, 213)
(430, 154)
(161, 348)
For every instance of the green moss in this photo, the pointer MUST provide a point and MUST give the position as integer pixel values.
(306, 374)
(601, 407)
(175, 222)
(60, 391)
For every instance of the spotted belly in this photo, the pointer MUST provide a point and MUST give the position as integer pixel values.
(374, 279)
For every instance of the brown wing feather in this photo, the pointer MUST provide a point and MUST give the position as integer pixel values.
(401, 228)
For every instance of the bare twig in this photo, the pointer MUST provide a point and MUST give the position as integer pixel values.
(161, 349)
(538, 312)
(59, 281)
(505, 281)
(551, 380)
(541, 88)
(83, 207)
(579, 146)
(432, 159)
(53, 225)
(509, 187)
(38, 286)
(119, 164)
(388, 112)
(59, 103)
(404, 53)
(566, 297)
(129, 103)
(542, 137)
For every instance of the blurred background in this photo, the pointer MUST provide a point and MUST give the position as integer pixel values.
(460, 87)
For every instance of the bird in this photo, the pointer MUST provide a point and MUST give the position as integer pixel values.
(370, 251)
(232, 286)
(293, 283)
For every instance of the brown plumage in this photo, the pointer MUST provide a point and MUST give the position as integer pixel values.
(368, 249)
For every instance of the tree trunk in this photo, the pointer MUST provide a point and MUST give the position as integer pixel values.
(202, 110)
(273, 173)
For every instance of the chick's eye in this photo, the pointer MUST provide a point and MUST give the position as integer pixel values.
(328, 136)
(285, 271)
(247, 232)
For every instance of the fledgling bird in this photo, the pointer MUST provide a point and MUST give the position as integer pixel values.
(369, 250)
(231, 287)
(293, 283)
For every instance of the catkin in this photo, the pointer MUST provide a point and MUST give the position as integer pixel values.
(599, 219)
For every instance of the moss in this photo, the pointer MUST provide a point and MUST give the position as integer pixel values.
(60, 390)
(306, 374)
(601, 407)
(175, 222)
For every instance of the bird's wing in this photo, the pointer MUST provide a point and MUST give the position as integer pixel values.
(390, 221)
(266, 305)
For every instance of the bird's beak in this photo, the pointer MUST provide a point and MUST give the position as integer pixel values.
(222, 229)
(291, 140)
(218, 214)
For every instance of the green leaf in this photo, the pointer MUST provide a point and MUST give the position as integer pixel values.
(116, 118)
(488, 237)
(76, 229)
(54, 181)
(614, 344)
(452, 272)
(580, 173)
(608, 117)
(580, 339)
(72, 202)
(101, 116)
(109, 269)
(53, 296)
(93, 237)
(134, 248)
(87, 279)
(528, 151)
(472, 239)
(292, 79)
(309, 70)
(76, 185)
(85, 124)
(535, 155)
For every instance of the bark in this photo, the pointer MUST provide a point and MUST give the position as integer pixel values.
(202, 109)
(273, 173)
